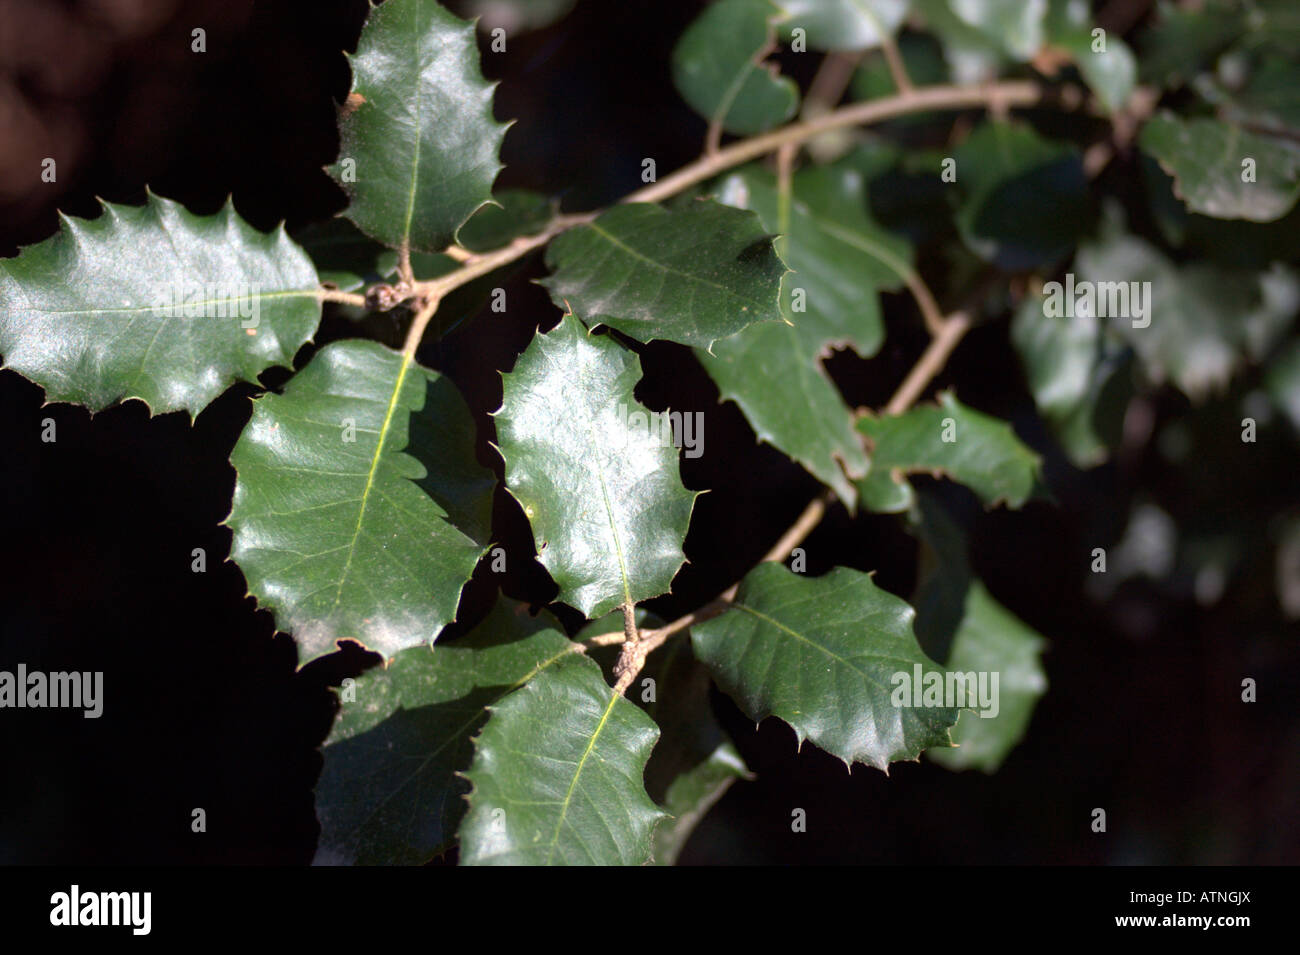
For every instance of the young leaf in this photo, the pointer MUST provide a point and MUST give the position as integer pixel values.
(359, 508)
(717, 67)
(1225, 171)
(558, 776)
(825, 654)
(418, 143)
(153, 303)
(389, 793)
(844, 24)
(692, 275)
(597, 480)
(949, 438)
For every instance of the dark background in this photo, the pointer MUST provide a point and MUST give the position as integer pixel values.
(204, 707)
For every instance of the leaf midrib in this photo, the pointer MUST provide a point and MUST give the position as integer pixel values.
(370, 478)
(577, 773)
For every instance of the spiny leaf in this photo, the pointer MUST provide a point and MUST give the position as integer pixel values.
(1208, 160)
(389, 793)
(843, 24)
(950, 438)
(841, 259)
(824, 654)
(718, 70)
(558, 776)
(595, 477)
(153, 303)
(359, 508)
(693, 275)
(418, 143)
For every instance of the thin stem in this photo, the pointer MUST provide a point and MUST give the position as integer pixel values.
(343, 298)
(404, 262)
(1001, 95)
(419, 324)
(1010, 93)
(894, 60)
(935, 356)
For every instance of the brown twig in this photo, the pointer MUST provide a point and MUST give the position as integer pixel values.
(935, 356)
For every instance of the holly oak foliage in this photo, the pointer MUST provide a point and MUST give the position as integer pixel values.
(360, 509)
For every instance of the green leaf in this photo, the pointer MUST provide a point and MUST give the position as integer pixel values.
(790, 402)
(960, 621)
(558, 776)
(1206, 156)
(693, 275)
(153, 303)
(346, 257)
(1184, 41)
(844, 24)
(949, 438)
(418, 127)
(822, 654)
(516, 212)
(1079, 375)
(881, 493)
(1024, 197)
(695, 762)
(992, 640)
(973, 56)
(598, 482)
(518, 16)
(389, 793)
(923, 60)
(359, 508)
(841, 260)
(1282, 382)
(1110, 71)
(1200, 320)
(839, 257)
(1017, 26)
(718, 68)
